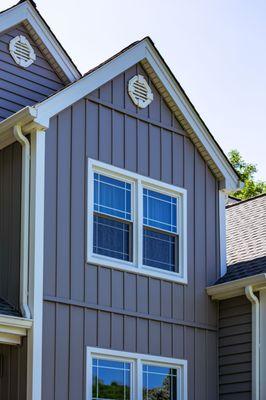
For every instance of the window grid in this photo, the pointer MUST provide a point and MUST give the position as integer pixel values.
(171, 381)
(148, 221)
(138, 184)
(100, 179)
(124, 369)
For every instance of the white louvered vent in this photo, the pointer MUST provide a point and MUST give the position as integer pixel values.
(21, 51)
(139, 91)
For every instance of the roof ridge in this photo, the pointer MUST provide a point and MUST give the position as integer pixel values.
(30, 1)
(246, 200)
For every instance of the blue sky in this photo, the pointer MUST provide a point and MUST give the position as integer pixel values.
(215, 48)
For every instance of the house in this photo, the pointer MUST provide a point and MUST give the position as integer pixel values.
(242, 302)
(112, 202)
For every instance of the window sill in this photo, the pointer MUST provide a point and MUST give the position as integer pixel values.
(140, 270)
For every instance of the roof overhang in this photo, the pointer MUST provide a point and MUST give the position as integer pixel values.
(12, 329)
(237, 287)
(144, 52)
(25, 12)
(25, 118)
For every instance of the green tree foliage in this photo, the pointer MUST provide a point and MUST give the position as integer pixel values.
(246, 171)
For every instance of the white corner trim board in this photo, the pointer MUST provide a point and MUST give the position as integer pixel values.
(36, 246)
(222, 231)
(137, 360)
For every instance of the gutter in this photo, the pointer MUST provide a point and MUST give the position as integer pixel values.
(255, 342)
(11, 129)
(25, 118)
(25, 206)
(237, 287)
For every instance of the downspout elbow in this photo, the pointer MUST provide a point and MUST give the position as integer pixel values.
(255, 341)
(25, 205)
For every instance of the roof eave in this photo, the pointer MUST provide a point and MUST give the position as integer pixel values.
(26, 118)
(237, 287)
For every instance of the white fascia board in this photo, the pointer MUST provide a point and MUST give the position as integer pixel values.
(25, 118)
(232, 180)
(237, 287)
(63, 99)
(15, 322)
(12, 329)
(25, 11)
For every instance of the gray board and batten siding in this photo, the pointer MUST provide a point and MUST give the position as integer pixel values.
(13, 371)
(92, 305)
(20, 87)
(10, 201)
(235, 357)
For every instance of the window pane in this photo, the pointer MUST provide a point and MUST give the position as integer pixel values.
(111, 238)
(159, 383)
(112, 196)
(159, 210)
(111, 380)
(159, 250)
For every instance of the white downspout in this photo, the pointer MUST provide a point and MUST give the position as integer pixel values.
(25, 205)
(255, 342)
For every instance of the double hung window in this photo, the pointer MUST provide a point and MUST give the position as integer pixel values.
(127, 376)
(135, 222)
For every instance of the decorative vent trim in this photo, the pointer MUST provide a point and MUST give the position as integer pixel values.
(21, 51)
(139, 91)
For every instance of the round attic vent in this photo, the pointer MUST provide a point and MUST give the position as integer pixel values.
(21, 51)
(139, 91)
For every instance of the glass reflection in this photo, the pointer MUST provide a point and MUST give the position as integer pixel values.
(159, 383)
(111, 380)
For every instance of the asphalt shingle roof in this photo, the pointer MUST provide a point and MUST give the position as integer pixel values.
(245, 239)
(7, 309)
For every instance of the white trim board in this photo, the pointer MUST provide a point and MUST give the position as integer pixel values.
(143, 50)
(237, 287)
(12, 329)
(137, 360)
(34, 370)
(262, 344)
(138, 182)
(26, 12)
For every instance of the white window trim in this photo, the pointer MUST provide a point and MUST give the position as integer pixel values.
(138, 181)
(136, 360)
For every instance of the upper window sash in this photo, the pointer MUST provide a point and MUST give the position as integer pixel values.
(112, 196)
(140, 187)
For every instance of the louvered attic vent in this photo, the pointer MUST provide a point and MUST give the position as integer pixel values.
(21, 51)
(139, 91)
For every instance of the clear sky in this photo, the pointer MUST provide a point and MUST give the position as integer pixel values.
(215, 48)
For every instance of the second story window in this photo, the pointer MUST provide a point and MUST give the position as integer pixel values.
(136, 223)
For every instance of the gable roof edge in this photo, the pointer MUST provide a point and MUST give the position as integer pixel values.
(138, 52)
(25, 11)
(192, 117)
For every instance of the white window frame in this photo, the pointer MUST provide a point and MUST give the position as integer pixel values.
(138, 182)
(136, 361)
